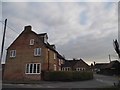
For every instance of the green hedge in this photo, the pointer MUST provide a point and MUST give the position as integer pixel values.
(67, 76)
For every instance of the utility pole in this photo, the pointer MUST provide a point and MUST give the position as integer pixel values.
(3, 40)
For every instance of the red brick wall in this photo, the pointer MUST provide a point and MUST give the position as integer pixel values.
(15, 67)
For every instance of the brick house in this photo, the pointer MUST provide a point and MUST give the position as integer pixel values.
(111, 68)
(29, 55)
(75, 65)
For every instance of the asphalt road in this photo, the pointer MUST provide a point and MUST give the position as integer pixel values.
(99, 81)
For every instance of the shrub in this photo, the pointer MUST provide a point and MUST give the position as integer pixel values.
(67, 76)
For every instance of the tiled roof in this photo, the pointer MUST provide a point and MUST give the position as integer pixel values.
(106, 65)
(112, 64)
(42, 34)
(100, 65)
(72, 63)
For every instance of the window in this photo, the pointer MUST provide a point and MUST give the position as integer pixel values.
(37, 51)
(55, 68)
(63, 69)
(62, 62)
(33, 68)
(45, 39)
(31, 41)
(54, 56)
(80, 69)
(12, 53)
(66, 69)
(59, 68)
(59, 62)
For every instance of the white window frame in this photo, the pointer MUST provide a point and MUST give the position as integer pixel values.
(55, 67)
(54, 56)
(36, 72)
(66, 69)
(31, 41)
(12, 53)
(36, 52)
(80, 69)
(59, 62)
(59, 68)
(63, 69)
(45, 39)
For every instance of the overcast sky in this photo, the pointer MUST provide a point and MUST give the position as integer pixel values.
(78, 29)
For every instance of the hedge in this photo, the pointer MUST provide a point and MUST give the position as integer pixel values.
(67, 76)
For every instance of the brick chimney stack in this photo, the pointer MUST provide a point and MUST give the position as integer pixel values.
(28, 28)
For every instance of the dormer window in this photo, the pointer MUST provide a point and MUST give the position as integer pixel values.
(31, 41)
(45, 39)
(54, 56)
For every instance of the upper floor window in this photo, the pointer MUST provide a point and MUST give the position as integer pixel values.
(31, 41)
(12, 53)
(33, 68)
(59, 62)
(45, 39)
(37, 51)
(54, 56)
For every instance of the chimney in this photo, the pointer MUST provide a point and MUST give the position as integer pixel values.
(28, 28)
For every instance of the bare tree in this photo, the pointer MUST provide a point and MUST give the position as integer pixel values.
(116, 47)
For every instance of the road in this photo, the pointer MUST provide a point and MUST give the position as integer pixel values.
(98, 82)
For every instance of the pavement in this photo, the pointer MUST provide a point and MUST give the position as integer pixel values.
(99, 81)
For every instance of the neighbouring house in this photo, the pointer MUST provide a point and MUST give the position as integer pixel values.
(75, 65)
(112, 68)
(60, 61)
(99, 66)
(30, 55)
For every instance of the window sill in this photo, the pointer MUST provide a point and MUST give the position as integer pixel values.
(12, 57)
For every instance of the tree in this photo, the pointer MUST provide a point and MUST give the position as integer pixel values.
(116, 47)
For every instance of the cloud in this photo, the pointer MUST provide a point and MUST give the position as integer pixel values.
(78, 29)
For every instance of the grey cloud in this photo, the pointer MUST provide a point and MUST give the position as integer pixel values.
(62, 23)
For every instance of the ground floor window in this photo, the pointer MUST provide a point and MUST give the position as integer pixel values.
(55, 67)
(80, 69)
(66, 69)
(59, 68)
(33, 68)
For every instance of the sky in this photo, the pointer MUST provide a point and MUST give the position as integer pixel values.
(78, 29)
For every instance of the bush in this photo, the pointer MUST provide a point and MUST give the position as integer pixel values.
(67, 76)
